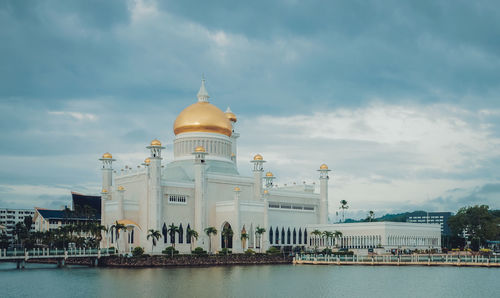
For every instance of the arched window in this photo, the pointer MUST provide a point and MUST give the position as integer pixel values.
(164, 231)
(271, 235)
(283, 235)
(294, 236)
(172, 237)
(112, 236)
(300, 235)
(227, 236)
(188, 238)
(277, 234)
(288, 236)
(305, 236)
(181, 234)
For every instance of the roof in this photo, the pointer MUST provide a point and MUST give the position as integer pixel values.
(62, 214)
(80, 201)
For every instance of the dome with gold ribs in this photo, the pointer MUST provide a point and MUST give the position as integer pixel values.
(202, 117)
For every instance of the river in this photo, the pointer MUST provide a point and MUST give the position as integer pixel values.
(40, 280)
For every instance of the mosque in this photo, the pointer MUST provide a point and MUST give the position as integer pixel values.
(201, 187)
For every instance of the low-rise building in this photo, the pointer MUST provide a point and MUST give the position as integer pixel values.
(9, 217)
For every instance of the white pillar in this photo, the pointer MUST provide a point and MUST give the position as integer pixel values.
(237, 226)
(155, 202)
(265, 241)
(258, 168)
(323, 193)
(199, 196)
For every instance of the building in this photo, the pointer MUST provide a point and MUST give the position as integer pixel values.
(9, 217)
(84, 209)
(440, 218)
(382, 237)
(200, 187)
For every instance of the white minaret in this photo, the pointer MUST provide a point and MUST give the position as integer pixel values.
(155, 201)
(258, 167)
(237, 228)
(323, 193)
(269, 180)
(200, 208)
(107, 171)
(104, 199)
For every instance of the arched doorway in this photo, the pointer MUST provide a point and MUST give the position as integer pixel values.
(226, 236)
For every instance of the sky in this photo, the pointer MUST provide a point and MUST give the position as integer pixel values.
(399, 98)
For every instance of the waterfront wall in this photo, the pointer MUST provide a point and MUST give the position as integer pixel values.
(194, 261)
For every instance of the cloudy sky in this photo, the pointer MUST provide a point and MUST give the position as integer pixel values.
(400, 99)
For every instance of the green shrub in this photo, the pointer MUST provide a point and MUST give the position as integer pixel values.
(168, 251)
(326, 251)
(225, 251)
(344, 253)
(138, 251)
(199, 251)
(273, 251)
(249, 252)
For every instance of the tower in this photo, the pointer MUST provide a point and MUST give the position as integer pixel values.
(237, 228)
(258, 167)
(265, 242)
(155, 195)
(107, 171)
(323, 193)
(269, 179)
(200, 212)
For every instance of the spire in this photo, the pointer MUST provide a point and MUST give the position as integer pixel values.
(228, 110)
(203, 94)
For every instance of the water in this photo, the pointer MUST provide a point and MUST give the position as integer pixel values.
(39, 280)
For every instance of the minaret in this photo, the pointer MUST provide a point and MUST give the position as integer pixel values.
(234, 136)
(107, 171)
(202, 93)
(236, 224)
(155, 202)
(323, 193)
(199, 194)
(104, 199)
(269, 179)
(258, 167)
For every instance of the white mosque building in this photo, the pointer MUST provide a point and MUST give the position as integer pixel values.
(201, 187)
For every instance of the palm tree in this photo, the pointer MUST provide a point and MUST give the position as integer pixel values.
(337, 235)
(155, 235)
(193, 235)
(259, 231)
(227, 233)
(316, 233)
(244, 237)
(343, 206)
(210, 231)
(371, 214)
(327, 235)
(117, 227)
(172, 229)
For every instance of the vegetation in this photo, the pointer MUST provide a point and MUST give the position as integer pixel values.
(273, 251)
(117, 227)
(259, 231)
(154, 235)
(138, 251)
(172, 230)
(199, 251)
(475, 224)
(170, 251)
(225, 251)
(344, 207)
(193, 235)
(227, 233)
(249, 252)
(210, 231)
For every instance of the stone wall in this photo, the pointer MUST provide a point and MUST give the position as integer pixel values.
(193, 261)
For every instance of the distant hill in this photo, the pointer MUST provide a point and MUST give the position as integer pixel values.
(397, 217)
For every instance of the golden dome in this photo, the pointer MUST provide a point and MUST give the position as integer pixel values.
(104, 190)
(202, 117)
(323, 167)
(199, 149)
(147, 160)
(121, 188)
(107, 155)
(155, 142)
(266, 191)
(269, 174)
(258, 157)
(237, 188)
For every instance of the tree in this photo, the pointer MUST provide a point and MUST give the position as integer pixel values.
(172, 229)
(154, 235)
(210, 231)
(475, 224)
(4, 240)
(327, 235)
(227, 233)
(28, 222)
(371, 215)
(117, 227)
(193, 235)
(259, 231)
(343, 206)
(337, 235)
(316, 233)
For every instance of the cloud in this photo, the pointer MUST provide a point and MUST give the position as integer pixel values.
(75, 115)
